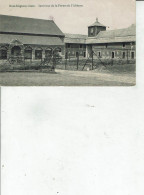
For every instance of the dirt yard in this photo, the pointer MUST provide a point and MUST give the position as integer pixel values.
(66, 78)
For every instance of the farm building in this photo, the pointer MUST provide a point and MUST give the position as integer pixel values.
(118, 43)
(104, 43)
(29, 38)
(36, 39)
(75, 44)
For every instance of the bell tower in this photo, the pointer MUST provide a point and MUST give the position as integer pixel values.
(95, 28)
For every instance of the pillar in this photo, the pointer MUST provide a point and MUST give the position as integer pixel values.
(43, 54)
(33, 54)
(8, 52)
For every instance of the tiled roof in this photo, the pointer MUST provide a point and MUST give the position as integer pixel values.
(79, 36)
(120, 35)
(75, 38)
(28, 25)
(130, 31)
(29, 39)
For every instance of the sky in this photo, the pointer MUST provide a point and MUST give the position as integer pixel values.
(114, 14)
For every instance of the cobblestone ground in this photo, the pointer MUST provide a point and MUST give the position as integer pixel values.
(67, 78)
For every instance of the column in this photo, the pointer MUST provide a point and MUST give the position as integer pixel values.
(43, 54)
(33, 54)
(9, 52)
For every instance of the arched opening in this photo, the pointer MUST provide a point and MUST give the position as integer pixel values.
(38, 53)
(16, 51)
(57, 52)
(3, 53)
(28, 53)
(48, 53)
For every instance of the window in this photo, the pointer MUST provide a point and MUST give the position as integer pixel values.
(48, 53)
(57, 50)
(132, 55)
(91, 31)
(84, 54)
(68, 45)
(81, 46)
(60, 50)
(28, 53)
(16, 51)
(38, 54)
(77, 54)
(124, 45)
(106, 45)
(113, 54)
(3, 53)
(99, 54)
(123, 55)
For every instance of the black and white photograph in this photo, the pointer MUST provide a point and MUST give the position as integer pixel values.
(68, 43)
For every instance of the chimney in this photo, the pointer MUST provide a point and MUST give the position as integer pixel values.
(96, 19)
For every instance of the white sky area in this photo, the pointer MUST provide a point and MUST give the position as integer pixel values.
(115, 14)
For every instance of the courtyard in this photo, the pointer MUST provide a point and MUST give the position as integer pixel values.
(67, 78)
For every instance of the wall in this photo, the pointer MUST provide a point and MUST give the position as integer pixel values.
(34, 48)
(118, 49)
(74, 48)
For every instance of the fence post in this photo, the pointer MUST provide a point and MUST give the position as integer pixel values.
(127, 56)
(92, 60)
(77, 60)
(24, 62)
(53, 67)
(66, 61)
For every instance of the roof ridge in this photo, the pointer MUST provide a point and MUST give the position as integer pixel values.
(75, 34)
(119, 28)
(27, 17)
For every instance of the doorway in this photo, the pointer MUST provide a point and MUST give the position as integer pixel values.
(16, 51)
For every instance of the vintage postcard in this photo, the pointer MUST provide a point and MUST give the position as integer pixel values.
(67, 43)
